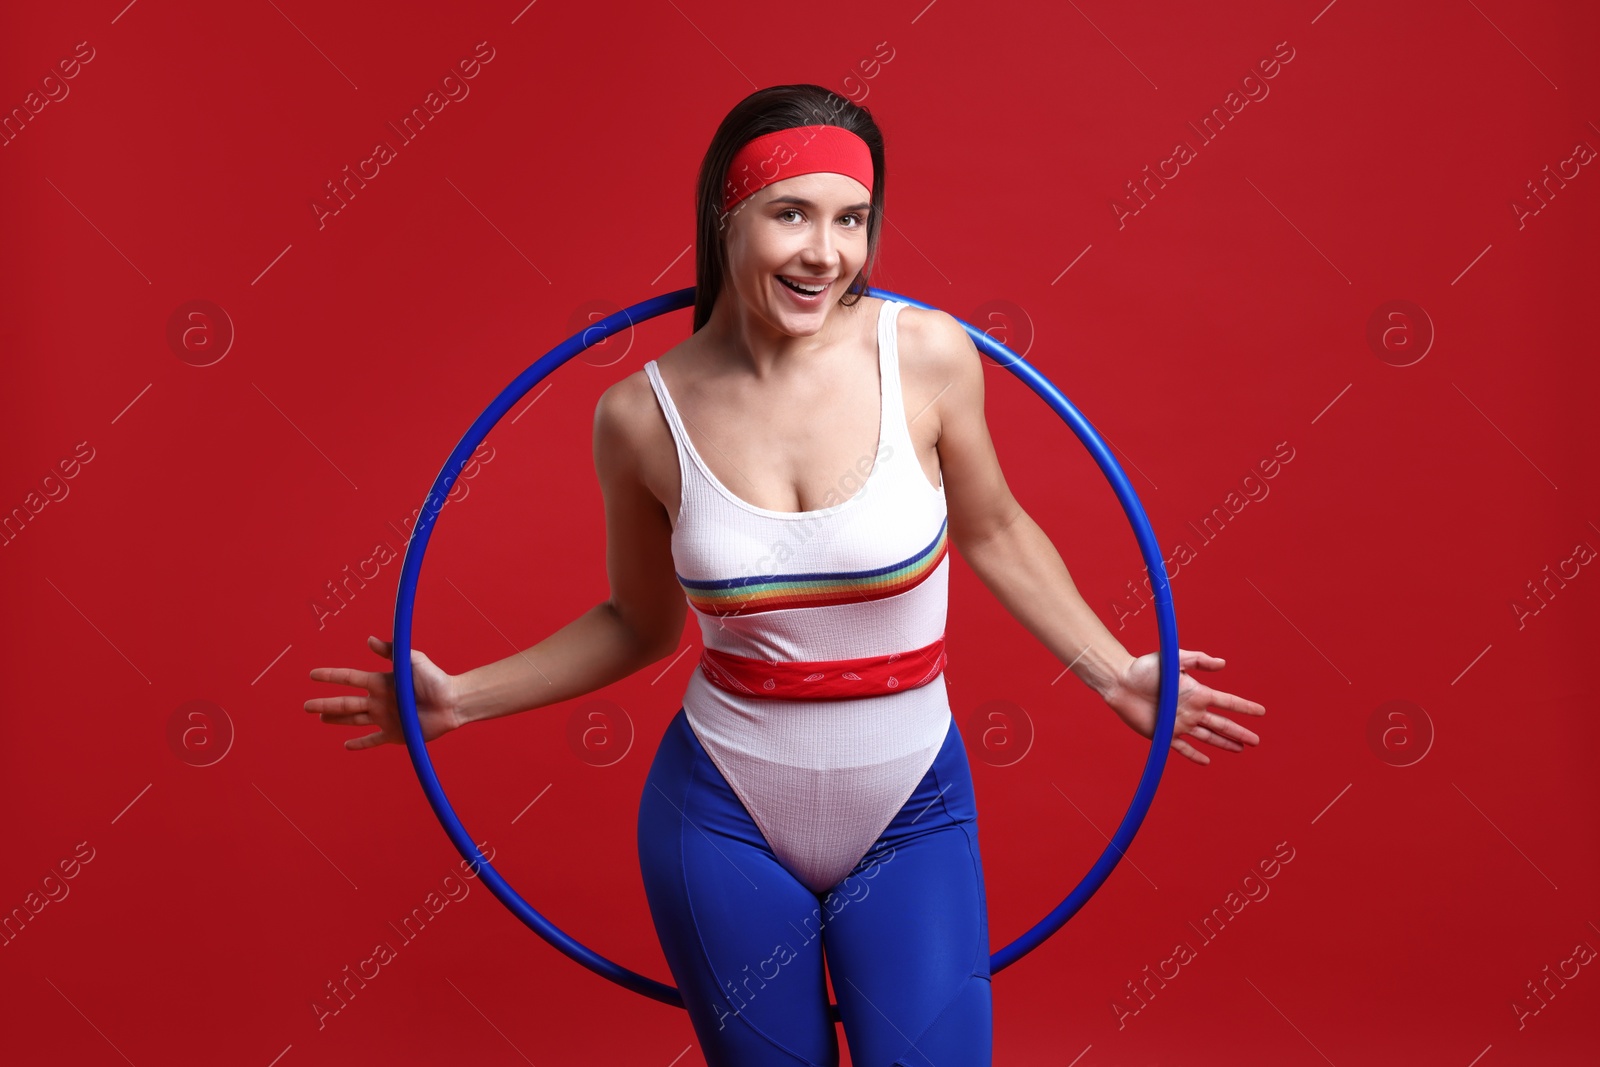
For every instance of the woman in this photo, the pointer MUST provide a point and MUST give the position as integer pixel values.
(809, 812)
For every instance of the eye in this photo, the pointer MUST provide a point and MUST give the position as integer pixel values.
(788, 211)
(859, 221)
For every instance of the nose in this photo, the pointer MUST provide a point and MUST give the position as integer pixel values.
(819, 249)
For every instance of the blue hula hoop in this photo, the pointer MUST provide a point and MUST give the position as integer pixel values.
(1166, 624)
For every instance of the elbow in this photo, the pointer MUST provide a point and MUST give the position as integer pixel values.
(652, 639)
(978, 538)
(657, 651)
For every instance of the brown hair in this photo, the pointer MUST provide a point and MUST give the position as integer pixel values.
(777, 107)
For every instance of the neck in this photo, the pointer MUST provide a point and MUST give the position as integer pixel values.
(751, 341)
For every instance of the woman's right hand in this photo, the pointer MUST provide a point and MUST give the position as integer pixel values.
(437, 705)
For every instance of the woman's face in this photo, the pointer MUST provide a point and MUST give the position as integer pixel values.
(810, 229)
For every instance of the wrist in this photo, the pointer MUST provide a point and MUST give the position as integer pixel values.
(460, 706)
(1108, 676)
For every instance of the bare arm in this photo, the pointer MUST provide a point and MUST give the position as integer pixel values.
(1003, 545)
(1017, 562)
(641, 621)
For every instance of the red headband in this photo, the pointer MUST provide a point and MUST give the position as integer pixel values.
(782, 154)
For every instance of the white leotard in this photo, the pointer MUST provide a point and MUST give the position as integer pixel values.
(820, 778)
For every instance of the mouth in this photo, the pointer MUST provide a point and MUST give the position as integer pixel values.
(807, 292)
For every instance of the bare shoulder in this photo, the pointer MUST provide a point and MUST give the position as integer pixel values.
(939, 363)
(632, 442)
(620, 415)
(628, 406)
(937, 342)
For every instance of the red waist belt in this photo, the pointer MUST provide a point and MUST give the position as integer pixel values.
(838, 679)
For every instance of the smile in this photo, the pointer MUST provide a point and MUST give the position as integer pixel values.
(805, 292)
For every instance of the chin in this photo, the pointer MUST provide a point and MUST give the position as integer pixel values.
(801, 324)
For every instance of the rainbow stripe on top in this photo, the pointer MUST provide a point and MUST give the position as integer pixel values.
(775, 592)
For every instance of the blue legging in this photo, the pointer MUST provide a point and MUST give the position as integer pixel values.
(905, 934)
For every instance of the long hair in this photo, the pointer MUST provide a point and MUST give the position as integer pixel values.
(777, 107)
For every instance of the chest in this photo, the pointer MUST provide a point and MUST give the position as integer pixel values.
(799, 454)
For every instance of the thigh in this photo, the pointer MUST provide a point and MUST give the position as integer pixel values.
(741, 935)
(907, 932)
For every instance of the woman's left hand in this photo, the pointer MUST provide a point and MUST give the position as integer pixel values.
(1134, 699)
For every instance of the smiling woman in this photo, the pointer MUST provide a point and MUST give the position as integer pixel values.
(815, 734)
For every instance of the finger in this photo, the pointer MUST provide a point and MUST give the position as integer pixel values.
(1230, 728)
(381, 647)
(1188, 750)
(336, 705)
(1201, 697)
(1230, 702)
(1194, 658)
(343, 676)
(369, 741)
(1200, 733)
(345, 718)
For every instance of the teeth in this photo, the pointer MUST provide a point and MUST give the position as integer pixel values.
(801, 288)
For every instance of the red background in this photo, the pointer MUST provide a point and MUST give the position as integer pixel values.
(1229, 315)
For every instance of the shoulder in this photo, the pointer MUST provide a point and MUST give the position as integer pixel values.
(629, 405)
(935, 340)
(622, 407)
(940, 366)
(629, 425)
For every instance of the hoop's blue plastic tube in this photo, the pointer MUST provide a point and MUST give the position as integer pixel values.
(411, 568)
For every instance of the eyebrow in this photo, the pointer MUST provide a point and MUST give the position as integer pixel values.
(803, 202)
